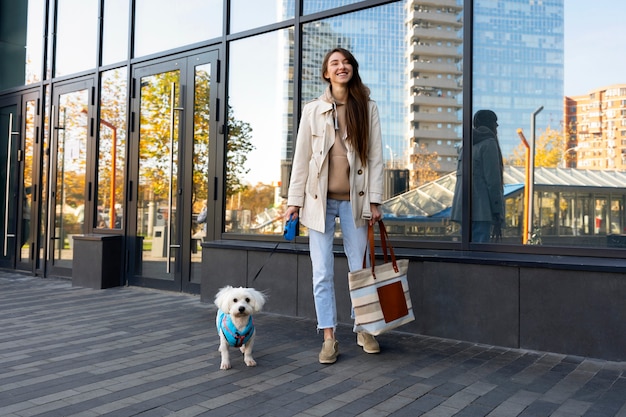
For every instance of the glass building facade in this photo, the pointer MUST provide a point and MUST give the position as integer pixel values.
(172, 125)
(518, 54)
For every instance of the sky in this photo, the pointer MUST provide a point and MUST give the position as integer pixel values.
(595, 45)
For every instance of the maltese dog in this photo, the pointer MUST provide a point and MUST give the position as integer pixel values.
(234, 321)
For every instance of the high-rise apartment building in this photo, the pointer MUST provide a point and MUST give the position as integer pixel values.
(434, 77)
(596, 128)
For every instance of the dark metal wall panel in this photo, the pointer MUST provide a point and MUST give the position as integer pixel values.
(573, 312)
(476, 303)
(222, 267)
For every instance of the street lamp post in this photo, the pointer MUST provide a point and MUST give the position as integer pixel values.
(565, 165)
(390, 154)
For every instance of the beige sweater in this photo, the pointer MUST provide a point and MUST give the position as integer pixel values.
(339, 168)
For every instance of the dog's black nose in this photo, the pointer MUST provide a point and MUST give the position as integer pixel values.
(242, 309)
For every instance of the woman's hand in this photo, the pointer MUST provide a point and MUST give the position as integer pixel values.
(292, 212)
(376, 214)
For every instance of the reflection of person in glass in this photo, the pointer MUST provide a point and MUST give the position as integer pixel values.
(487, 211)
(337, 173)
(201, 234)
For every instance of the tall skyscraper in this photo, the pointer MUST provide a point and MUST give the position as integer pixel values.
(518, 64)
(434, 86)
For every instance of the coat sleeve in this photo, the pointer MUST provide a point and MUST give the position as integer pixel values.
(492, 175)
(300, 166)
(375, 157)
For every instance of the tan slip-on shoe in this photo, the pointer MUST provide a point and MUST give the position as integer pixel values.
(367, 342)
(329, 352)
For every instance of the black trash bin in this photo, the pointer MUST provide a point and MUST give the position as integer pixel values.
(97, 261)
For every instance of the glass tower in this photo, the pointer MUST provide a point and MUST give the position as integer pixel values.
(518, 64)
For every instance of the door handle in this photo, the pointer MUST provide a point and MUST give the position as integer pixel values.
(51, 151)
(8, 184)
(170, 198)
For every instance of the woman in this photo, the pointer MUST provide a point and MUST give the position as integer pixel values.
(337, 173)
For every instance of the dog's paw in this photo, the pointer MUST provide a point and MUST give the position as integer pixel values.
(225, 365)
(249, 361)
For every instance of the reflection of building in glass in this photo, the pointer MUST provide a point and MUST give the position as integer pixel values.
(381, 61)
(574, 208)
(432, 80)
(596, 128)
(518, 64)
(434, 30)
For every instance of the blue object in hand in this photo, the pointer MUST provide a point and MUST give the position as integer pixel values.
(290, 228)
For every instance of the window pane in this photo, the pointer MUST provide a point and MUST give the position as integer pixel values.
(111, 149)
(420, 109)
(164, 24)
(260, 129)
(21, 42)
(246, 14)
(558, 80)
(76, 37)
(314, 6)
(115, 36)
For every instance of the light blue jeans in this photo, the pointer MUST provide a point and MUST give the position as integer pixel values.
(322, 259)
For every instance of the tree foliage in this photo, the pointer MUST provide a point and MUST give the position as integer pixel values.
(549, 149)
(425, 165)
(238, 146)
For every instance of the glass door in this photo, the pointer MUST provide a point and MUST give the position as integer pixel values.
(70, 185)
(19, 191)
(170, 150)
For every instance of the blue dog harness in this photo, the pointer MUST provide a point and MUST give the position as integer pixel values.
(233, 336)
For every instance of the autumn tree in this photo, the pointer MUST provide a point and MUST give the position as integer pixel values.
(425, 166)
(201, 138)
(258, 198)
(549, 148)
(112, 141)
(238, 146)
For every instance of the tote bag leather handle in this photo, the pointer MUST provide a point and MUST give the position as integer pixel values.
(385, 245)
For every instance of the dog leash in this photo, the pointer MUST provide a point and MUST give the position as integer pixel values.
(289, 234)
(266, 261)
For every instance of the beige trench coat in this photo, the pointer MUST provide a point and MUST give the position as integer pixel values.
(308, 186)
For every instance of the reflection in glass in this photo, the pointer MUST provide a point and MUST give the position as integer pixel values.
(158, 171)
(76, 36)
(543, 61)
(163, 24)
(200, 163)
(246, 14)
(21, 43)
(30, 129)
(42, 227)
(419, 109)
(260, 130)
(111, 150)
(314, 6)
(115, 31)
(71, 159)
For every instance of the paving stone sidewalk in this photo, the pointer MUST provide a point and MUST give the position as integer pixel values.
(68, 351)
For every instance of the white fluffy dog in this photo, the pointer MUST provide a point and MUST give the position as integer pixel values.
(234, 321)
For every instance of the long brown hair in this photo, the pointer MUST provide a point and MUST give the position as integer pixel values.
(357, 108)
